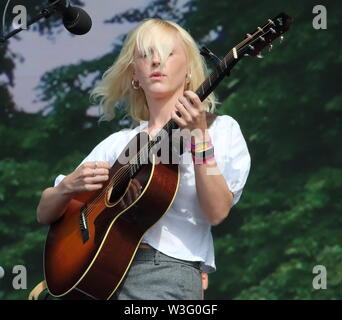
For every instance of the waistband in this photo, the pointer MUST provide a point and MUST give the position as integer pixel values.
(151, 254)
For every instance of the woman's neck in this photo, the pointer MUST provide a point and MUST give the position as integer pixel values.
(160, 110)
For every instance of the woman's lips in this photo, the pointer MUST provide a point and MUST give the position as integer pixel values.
(157, 75)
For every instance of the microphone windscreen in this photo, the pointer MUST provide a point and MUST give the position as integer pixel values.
(76, 20)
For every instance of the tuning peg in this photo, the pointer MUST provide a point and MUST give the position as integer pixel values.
(281, 39)
(271, 22)
(251, 47)
(246, 55)
(270, 47)
(260, 56)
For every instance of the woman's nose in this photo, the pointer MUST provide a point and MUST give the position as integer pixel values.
(155, 59)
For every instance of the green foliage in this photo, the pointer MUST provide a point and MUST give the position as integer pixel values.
(289, 109)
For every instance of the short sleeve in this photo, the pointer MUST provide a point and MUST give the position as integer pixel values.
(233, 158)
(59, 179)
(104, 151)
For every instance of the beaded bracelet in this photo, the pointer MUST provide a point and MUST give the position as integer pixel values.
(204, 156)
(201, 146)
(204, 161)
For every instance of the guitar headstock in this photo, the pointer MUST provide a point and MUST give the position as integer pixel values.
(251, 46)
(263, 36)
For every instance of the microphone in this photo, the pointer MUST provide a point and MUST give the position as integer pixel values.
(75, 19)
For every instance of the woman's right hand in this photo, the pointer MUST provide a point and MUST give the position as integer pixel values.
(90, 176)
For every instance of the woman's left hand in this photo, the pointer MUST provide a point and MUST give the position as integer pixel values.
(191, 109)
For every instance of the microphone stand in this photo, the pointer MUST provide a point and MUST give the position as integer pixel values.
(44, 13)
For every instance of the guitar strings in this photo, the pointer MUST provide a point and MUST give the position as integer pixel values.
(116, 178)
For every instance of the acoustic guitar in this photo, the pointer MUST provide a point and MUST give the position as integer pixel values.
(90, 248)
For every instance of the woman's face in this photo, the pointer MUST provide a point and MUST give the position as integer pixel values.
(159, 83)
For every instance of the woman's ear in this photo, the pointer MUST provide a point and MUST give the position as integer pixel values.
(133, 72)
(188, 77)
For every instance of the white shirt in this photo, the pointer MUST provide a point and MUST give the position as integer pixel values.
(184, 232)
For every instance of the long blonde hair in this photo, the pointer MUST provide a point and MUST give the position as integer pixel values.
(116, 83)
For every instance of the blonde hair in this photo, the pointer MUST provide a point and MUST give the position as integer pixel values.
(116, 83)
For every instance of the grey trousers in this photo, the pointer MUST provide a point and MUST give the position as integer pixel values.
(156, 276)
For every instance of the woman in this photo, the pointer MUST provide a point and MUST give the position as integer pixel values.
(156, 74)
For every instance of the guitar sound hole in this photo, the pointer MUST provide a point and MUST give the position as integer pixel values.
(118, 192)
(120, 185)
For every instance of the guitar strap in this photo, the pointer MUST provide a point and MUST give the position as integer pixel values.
(38, 289)
(212, 58)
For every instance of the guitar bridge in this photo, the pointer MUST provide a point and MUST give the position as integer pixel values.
(84, 224)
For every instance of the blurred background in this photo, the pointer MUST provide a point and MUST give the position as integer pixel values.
(288, 106)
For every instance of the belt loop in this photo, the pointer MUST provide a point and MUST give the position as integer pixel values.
(157, 257)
